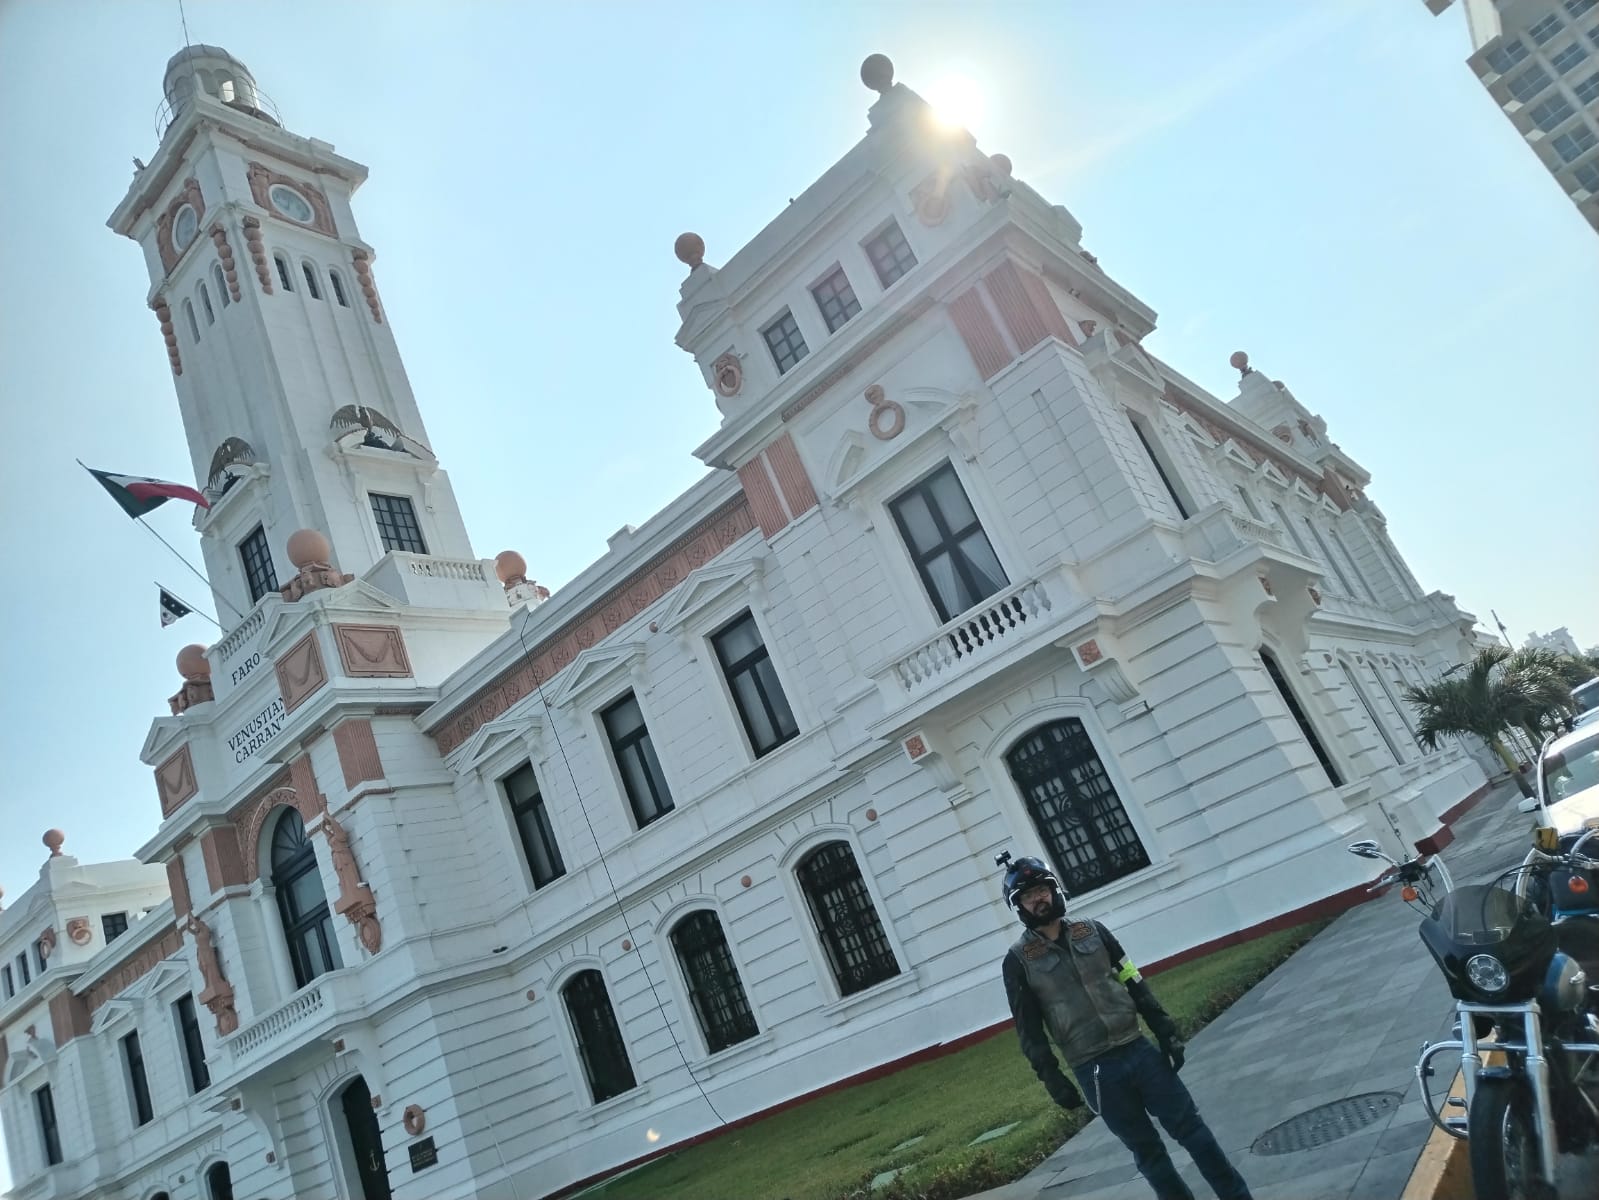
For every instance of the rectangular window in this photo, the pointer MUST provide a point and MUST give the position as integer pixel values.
(1291, 530)
(1587, 90)
(259, 575)
(1588, 176)
(1354, 567)
(890, 254)
(40, 958)
(1501, 58)
(1249, 502)
(397, 527)
(1529, 83)
(1399, 706)
(1575, 144)
(1547, 114)
(1371, 714)
(953, 555)
(1161, 468)
(784, 340)
(138, 1084)
(23, 974)
(6, 981)
(1287, 693)
(1545, 29)
(533, 826)
(193, 1048)
(1577, 8)
(114, 925)
(836, 299)
(634, 751)
(1331, 560)
(44, 1104)
(1569, 57)
(752, 679)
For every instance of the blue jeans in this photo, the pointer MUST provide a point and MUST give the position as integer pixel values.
(1128, 1085)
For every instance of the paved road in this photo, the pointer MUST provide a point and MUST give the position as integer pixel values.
(1345, 1016)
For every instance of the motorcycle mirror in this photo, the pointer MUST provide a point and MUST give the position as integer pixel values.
(1527, 804)
(1366, 849)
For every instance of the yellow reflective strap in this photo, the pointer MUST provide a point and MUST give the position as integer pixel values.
(1128, 972)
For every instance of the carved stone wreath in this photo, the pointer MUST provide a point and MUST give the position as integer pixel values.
(727, 375)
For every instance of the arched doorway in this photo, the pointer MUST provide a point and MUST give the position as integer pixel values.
(370, 1170)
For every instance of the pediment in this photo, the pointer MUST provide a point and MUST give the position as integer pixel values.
(493, 737)
(358, 598)
(855, 457)
(708, 586)
(1131, 357)
(111, 1012)
(1270, 472)
(596, 666)
(34, 1053)
(163, 739)
(1237, 454)
(1304, 492)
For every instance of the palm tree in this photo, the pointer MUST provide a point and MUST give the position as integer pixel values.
(1485, 702)
(1545, 679)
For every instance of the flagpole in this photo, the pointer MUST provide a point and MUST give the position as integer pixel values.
(194, 569)
(189, 606)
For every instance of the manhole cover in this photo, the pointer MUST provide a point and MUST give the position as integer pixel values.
(1326, 1123)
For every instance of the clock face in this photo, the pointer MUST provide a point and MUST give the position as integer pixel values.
(290, 203)
(185, 226)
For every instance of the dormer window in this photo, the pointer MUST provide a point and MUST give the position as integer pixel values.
(890, 254)
(784, 340)
(836, 299)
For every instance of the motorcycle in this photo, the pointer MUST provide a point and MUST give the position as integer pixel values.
(1520, 978)
(1423, 881)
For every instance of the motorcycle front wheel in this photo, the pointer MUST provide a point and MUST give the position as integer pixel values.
(1502, 1134)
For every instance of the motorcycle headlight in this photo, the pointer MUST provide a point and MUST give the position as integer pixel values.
(1487, 972)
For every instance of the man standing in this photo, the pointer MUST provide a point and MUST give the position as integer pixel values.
(1072, 979)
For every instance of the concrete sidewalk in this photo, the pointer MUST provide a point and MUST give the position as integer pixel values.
(1344, 1016)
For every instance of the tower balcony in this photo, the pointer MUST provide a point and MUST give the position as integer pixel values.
(311, 1015)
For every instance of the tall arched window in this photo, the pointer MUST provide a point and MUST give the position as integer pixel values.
(714, 988)
(303, 905)
(205, 303)
(338, 288)
(599, 1038)
(846, 920)
(310, 281)
(194, 325)
(284, 277)
(218, 1182)
(222, 284)
(1074, 806)
(1291, 701)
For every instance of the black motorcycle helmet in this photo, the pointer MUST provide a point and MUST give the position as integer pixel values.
(1026, 873)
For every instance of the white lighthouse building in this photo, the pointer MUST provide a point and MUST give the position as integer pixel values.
(475, 891)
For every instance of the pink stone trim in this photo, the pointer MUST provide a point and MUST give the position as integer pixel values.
(79, 931)
(358, 752)
(69, 1016)
(762, 496)
(1089, 653)
(230, 269)
(372, 651)
(47, 942)
(224, 867)
(163, 314)
(356, 901)
(190, 195)
(262, 179)
(415, 1119)
(915, 746)
(727, 375)
(882, 408)
(168, 945)
(792, 479)
(369, 289)
(981, 335)
(218, 993)
(744, 881)
(178, 885)
(193, 691)
(252, 238)
(300, 671)
(175, 782)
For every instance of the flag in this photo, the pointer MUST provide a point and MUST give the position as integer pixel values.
(172, 609)
(138, 494)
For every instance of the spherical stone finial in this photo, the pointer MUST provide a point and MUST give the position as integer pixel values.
(877, 72)
(192, 663)
(690, 249)
(1002, 165)
(53, 838)
(509, 565)
(307, 547)
(1240, 360)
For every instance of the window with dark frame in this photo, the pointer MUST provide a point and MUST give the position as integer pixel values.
(636, 761)
(757, 692)
(260, 577)
(138, 1082)
(45, 1106)
(1545, 29)
(310, 281)
(199, 1075)
(715, 991)
(1505, 56)
(194, 325)
(40, 958)
(10, 984)
(222, 285)
(1155, 458)
(784, 340)
(205, 303)
(338, 288)
(302, 903)
(953, 555)
(113, 925)
(283, 272)
(890, 254)
(836, 300)
(219, 1182)
(599, 1038)
(1280, 682)
(1371, 713)
(1074, 806)
(539, 851)
(1399, 707)
(22, 970)
(397, 527)
(846, 920)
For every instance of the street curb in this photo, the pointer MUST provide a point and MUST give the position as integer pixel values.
(1443, 1172)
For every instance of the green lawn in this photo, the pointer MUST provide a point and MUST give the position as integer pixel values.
(829, 1148)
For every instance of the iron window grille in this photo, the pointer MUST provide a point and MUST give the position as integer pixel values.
(397, 526)
(634, 751)
(259, 574)
(1280, 682)
(193, 1047)
(113, 925)
(757, 692)
(714, 989)
(532, 818)
(599, 1039)
(45, 1105)
(784, 340)
(890, 253)
(302, 903)
(138, 1081)
(1074, 806)
(952, 553)
(846, 920)
(836, 299)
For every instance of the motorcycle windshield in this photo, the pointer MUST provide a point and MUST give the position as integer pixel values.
(1480, 915)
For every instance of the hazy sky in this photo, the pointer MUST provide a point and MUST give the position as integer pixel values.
(1324, 185)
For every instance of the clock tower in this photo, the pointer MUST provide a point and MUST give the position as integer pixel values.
(294, 400)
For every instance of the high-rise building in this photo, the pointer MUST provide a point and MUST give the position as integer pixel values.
(1539, 60)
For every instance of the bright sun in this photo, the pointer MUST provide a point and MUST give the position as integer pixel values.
(957, 101)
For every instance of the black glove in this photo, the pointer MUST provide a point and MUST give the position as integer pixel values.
(1065, 1095)
(1172, 1047)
